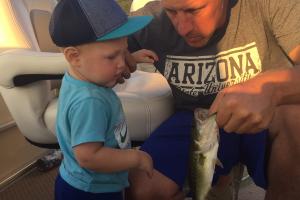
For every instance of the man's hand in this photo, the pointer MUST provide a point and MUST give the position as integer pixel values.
(145, 56)
(246, 107)
(130, 67)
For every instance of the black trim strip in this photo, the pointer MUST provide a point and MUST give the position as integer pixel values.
(24, 79)
(47, 146)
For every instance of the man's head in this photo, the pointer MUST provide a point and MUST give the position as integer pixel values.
(196, 20)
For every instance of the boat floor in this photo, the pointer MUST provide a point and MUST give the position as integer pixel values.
(20, 180)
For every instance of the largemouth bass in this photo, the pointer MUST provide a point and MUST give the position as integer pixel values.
(203, 155)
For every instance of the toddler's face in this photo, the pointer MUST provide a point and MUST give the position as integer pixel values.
(103, 63)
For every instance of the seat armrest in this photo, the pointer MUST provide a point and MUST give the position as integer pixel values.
(26, 66)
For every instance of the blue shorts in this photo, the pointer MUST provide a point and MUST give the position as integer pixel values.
(65, 191)
(169, 147)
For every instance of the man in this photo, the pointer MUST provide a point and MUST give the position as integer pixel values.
(240, 58)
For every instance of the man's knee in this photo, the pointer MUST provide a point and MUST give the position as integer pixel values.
(138, 193)
(283, 167)
(164, 192)
(286, 117)
(158, 187)
(285, 127)
(140, 188)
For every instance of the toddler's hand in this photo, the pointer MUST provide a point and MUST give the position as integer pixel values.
(144, 56)
(145, 163)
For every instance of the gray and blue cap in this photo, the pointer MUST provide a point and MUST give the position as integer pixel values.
(76, 22)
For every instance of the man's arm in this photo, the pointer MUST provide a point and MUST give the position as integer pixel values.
(131, 64)
(249, 107)
(295, 55)
(288, 91)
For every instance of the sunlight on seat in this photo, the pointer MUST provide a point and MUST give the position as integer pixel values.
(138, 4)
(10, 33)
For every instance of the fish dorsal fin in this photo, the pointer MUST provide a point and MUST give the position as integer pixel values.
(219, 163)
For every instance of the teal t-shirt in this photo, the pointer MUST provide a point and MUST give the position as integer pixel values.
(90, 113)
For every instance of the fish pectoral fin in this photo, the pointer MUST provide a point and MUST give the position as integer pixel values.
(219, 163)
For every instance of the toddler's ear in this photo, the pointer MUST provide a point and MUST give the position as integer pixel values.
(72, 56)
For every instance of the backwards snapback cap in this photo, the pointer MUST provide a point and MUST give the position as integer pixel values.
(75, 22)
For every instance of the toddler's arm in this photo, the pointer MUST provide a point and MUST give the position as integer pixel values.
(96, 157)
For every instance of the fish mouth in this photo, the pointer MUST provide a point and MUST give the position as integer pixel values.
(201, 114)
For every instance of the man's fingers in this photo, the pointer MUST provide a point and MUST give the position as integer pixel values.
(223, 117)
(148, 60)
(253, 124)
(152, 55)
(126, 74)
(130, 62)
(121, 80)
(234, 124)
(215, 105)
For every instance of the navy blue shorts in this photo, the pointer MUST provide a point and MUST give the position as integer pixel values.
(169, 147)
(65, 191)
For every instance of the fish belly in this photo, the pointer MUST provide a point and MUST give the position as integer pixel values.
(202, 168)
(203, 153)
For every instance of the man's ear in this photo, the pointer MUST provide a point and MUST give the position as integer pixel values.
(72, 55)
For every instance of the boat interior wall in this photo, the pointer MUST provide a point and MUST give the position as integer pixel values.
(28, 93)
(5, 116)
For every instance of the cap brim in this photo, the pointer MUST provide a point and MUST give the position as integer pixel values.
(131, 26)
